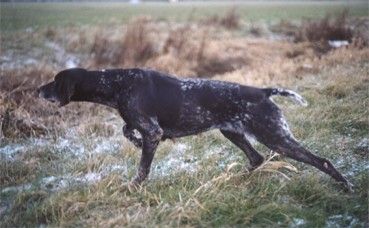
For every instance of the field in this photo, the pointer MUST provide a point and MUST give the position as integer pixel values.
(23, 15)
(71, 166)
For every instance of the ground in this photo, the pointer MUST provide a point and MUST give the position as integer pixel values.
(70, 166)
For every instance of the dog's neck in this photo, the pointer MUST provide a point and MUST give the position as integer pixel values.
(96, 88)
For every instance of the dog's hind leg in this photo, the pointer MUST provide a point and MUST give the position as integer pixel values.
(291, 148)
(277, 136)
(241, 142)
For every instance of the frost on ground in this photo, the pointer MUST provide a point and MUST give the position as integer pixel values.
(351, 221)
(71, 146)
(53, 183)
(298, 221)
(352, 164)
(18, 188)
(10, 151)
(183, 158)
(62, 57)
(178, 160)
(11, 59)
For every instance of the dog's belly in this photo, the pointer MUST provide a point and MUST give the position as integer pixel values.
(170, 133)
(195, 123)
(188, 127)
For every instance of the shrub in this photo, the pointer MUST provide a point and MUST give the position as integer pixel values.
(135, 48)
(328, 28)
(231, 20)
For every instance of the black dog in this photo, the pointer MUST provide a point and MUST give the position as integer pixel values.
(160, 107)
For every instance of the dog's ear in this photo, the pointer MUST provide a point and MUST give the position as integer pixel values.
(66, 83)
(65, 87)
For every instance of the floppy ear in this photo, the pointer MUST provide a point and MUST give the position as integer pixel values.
(65, 88)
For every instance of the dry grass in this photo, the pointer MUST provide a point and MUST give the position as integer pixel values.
(231, 20)
(135, 48)
(328, 28)
(18, 101)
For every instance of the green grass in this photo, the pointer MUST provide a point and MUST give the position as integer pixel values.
(18, 16)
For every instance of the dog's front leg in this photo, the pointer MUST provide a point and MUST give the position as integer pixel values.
(147, 156)
(151, 136)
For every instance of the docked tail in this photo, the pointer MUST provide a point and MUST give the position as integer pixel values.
(287, 93)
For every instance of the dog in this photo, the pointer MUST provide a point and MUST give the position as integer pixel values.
(160, 106)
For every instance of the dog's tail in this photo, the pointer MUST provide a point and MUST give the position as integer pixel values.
(287, 93)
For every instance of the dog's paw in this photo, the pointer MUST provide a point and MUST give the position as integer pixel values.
(134, 186)
(254, 166)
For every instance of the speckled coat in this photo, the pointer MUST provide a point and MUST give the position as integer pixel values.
(160, 106)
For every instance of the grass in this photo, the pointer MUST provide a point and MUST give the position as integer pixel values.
(216, 194)
(19, 16)
(71, 166)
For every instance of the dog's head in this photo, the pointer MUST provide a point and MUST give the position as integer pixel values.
(63, 87)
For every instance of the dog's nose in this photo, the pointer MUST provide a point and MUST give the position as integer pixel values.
(39, 93)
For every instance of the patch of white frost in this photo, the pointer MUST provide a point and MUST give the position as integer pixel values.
(7, 152)
(65, 144)
(10, 151)
(298, 221)
(89, 178)
(18, 188)
(106, 146)
(338, 220)
(71, 63)
(61, 56)
(222, 155)
(175, 162)
(53, 183)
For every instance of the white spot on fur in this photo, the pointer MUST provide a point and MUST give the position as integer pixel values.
(119, 78)
(295, 96)
(251, 138)
(246, 116)
(286, 130)
(103, 80)
(190, 83)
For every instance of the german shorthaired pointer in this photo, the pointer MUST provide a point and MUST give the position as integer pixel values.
(161, 107)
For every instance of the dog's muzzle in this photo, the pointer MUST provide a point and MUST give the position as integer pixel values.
(42, 94)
